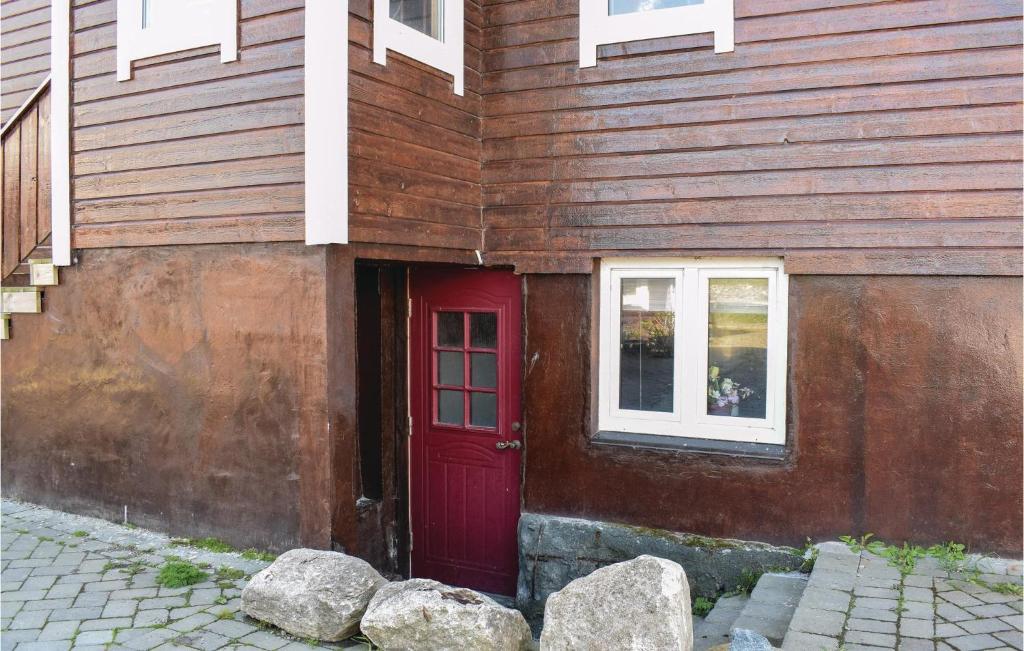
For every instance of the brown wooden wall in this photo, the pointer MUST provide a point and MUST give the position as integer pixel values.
(25, 193)
(195, 151)
(24, 51)
(853, 136)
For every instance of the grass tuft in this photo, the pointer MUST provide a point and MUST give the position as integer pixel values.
(178, 574)
(702, 606)
(80, 533)
(252, 554)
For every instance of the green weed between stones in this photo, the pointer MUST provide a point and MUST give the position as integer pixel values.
(178, 574)
(362, 639)
(229, 573)
(210, 544)
(951, 556)
(702, 606)
(80, 533)
(225, 614)
(252, 554)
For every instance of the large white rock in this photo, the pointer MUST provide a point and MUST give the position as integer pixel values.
(642, 604)
(313, 594)
(421, 614)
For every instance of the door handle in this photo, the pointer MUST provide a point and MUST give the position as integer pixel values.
(505, 445)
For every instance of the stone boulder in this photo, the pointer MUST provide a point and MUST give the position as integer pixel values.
(424, 614)
(313, 594)
(642, 604)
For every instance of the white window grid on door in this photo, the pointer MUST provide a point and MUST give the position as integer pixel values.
(181, 25)
(600, 27)
(689, 417)
(446, 53)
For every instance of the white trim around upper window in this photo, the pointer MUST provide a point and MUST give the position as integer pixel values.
(446, 54)
(60, 132)
(689, 415)
(174, 26)
(600, 27)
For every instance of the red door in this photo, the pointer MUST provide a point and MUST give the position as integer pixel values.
(466, 444)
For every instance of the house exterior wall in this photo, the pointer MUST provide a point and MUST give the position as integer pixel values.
(24, 52)
(904, 409)
(851, 137)
(188, 383)
(195, 151)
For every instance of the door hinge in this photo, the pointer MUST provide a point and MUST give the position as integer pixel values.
(410, 427)
(410, 540)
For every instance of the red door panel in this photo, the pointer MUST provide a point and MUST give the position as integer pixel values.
(465, 448)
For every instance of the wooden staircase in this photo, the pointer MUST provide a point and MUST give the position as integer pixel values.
(26, 265)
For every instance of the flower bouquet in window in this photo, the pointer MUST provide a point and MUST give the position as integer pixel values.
(724, 394)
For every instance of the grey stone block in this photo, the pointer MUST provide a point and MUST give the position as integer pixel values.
(825, 599)
(263, 640)
(47, 604)
(91, 599)
(94, 638)
(915, 644)
(1011, 638)
(871, 639)
(878, 593)
(917, 628)
(919, 610)
(153, 617)
(105, 624)
(819, 622)
(974, 642)
(65, 590)
(990, 625)
(204, 640)
(29, 619)
(876, 604)
(960, 598)
(76, 614)
(991, 610)
(193, 622)
(952, 613)
(58, 631)
(123, 608)
(56, 645)
(925, 595)
(230, 628)
(204, 597)
(871, 626)
(154, 638)
(162, 602)
(859, 612)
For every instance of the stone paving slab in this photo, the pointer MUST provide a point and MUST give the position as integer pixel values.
(72, 582)
(859, 601)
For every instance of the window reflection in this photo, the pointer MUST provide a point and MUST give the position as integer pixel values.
(647, 344)
(635, 6)
(737, 347)
(422, 15)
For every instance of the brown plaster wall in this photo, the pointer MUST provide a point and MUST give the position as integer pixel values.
(188, 383)
(904, 420)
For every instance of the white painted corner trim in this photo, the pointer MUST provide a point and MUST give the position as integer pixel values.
(60, 132)
(326, 136)
(598, 27)
(446, 54)
(184, 25)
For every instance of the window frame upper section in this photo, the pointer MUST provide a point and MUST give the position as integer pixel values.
(689, 417)
(446, 54)
(598, 26)
(192, 24)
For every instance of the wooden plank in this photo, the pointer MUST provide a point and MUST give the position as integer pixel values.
(44, 206)
(282, 227)
(29, 182)
(904, 178)
(12, 202)
(220, 202)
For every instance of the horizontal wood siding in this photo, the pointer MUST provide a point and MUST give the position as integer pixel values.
(24, 51)
(25, 186)
(851, 136)
(195, 151)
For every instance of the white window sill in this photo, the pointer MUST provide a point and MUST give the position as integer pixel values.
(697, 445)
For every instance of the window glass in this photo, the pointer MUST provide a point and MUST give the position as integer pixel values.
(422, 15)
(635, 6)
(450, 406)
(483, 409)
(483, 330)
(647, 344)
(450, 368)
(737, 347)
(449, 329)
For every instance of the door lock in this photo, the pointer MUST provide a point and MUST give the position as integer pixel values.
(516, 426)
(505, 445)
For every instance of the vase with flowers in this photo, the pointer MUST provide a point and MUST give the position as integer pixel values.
(724, 394)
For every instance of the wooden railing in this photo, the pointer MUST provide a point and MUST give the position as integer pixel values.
(25, 200)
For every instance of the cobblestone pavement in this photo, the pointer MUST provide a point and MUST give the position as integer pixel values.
(859, 601)
(73, 582)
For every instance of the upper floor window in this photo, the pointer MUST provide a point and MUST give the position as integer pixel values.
(147, 28)
(426, 30)
(603, 22)
(693, 348)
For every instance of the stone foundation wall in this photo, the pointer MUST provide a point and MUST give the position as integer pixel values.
(555, 550)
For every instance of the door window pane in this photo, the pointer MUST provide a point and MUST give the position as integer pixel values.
(449, 329)
(450, 407)
(450, 368)
(634, 6)
(483, 330)
(647, 344)
(737, 347)
(422, 15)
(483, 370)
(483, 409)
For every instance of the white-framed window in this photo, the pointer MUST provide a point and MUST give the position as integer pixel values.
(693, 348)
(603, 22)
(147, 28)
(430, 31)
